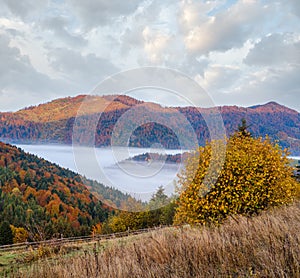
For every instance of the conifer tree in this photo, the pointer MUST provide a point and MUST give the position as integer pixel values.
(6, 235)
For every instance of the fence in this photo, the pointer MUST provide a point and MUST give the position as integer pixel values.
(82, 239)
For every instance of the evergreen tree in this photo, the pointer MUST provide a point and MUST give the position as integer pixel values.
(161, 208)
(159, 199)
(242, 129)
(297, 171)
(6, 235)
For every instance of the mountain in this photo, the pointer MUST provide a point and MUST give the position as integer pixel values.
(54, 122)
(48, 200)
(278, 122)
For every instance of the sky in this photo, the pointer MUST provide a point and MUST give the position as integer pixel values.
(242, 52)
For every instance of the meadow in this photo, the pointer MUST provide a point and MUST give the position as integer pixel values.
(266, 245)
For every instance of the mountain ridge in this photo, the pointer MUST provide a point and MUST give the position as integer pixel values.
(53, 122)
(130, 101)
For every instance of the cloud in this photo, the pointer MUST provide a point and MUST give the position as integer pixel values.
(16, 70)
(194, 13)
(155, 43)
(147, 36)
(59, 27)
(225, 30)
(19, 78)
(275, 49)
(295, 6)
(83, 71)
(132, 38)
(101, 12)
(242, 51)
(25, 7)
(151, 38)
(219, 78)
(264, 85)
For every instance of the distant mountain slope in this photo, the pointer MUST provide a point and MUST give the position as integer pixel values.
(276, 121)
(54, 121)
(48, 199)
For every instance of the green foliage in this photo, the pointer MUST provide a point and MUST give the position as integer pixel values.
(256, 175)
(6, 234)
(159, 211)
(243, 128)
(158, 199)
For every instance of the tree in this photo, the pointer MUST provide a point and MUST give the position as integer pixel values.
(6, 235)
(161, 208)
(157, 202)
(168, 212)
(242, 129)
(256, 175)
(297, 171)
(159, 199)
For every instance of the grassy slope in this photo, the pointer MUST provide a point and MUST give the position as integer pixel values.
(262, 246)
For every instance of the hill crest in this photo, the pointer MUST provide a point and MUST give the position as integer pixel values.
(68, 107)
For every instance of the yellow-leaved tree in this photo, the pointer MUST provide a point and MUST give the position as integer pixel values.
(256, 175)
(19, 234)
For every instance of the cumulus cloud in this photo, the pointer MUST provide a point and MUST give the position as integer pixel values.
(155, 43)
(193, 13)
(225, 30)
(133, 36)
(152, 38)
(150, 29)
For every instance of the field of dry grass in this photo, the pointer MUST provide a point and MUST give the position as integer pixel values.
(262, 246)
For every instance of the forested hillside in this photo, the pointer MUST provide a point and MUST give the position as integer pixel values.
(54, 122)
(47, 200)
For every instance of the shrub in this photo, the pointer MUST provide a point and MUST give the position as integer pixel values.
(19, 234)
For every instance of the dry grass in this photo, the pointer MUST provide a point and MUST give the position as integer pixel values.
(263, 246)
